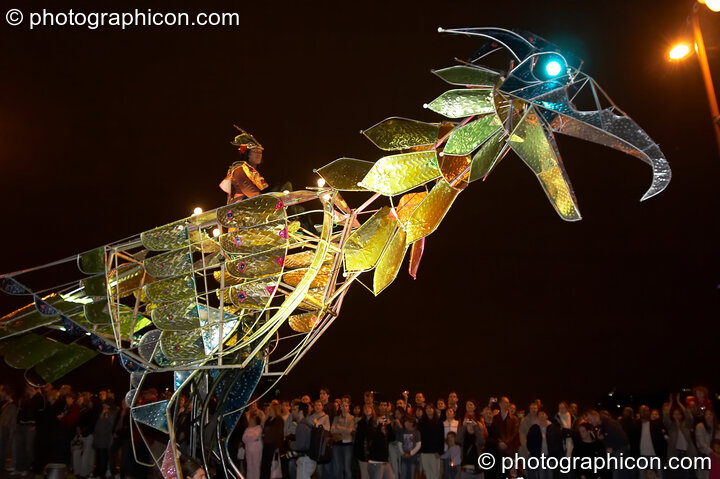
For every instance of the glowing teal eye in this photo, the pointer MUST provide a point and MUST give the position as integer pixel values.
(553, 68)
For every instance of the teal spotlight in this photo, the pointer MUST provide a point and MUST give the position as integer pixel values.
(553, 68)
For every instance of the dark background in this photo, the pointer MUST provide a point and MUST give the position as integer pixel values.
(106, 133)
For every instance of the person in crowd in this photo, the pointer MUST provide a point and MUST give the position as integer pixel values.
(304, 466)
(56, 405)
(286, 414)
(45, 428)
(84, 455)
(182, 424)
(647, 438)
(192, 470)
(76, 449)
(103, 436)
(441, 407)
(380, 436)
(703, 401)
(419, 401)
(406, 402)
(454, 403)
(396, 447)
(613, 437)
(320, 419)
(678, 424)
(627, 420)
(121, 453)
(587, 446)
(402, 405)
(566, 421)
(411, 446)
(328, 407)
(272, 437)
(452, 457)
(287, 458)
(306, 399)
(357, 412)
(503, 439)
(493, 403)
(692, 407)
(450, 424)
(286, 455)
(147, 395)
(574, 410)
(235, 441)
(342, 429)
(707, 431)
(471, 438)
(544, 438)
(23, 451)
(369, 398)
(433, 440)
(383, 409)
(529, 419)
(504, 428)
(486, 418)
(361, 431)
(68, 419)
(252, 438)
(8, 422)
(254, 409)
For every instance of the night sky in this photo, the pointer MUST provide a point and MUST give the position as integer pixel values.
(106, 133)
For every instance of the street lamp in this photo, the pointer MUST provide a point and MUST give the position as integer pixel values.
(679, 52)
(682, 50)
(713, 5)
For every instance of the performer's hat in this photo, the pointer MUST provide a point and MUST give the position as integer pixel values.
(245, 141)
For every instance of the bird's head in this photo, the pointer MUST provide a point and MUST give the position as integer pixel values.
(541, 88)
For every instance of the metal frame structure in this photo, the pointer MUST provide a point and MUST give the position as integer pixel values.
(228, 296)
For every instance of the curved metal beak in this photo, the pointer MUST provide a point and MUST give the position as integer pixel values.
(608, 126)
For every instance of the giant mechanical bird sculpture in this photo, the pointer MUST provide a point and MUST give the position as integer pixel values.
(226, 297)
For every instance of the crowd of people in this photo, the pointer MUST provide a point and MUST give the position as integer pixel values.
(90, 433)
(444, 439)
(371, 439)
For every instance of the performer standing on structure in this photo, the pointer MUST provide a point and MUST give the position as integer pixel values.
(243, 180)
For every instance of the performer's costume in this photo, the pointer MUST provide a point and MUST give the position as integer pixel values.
(243, 180)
